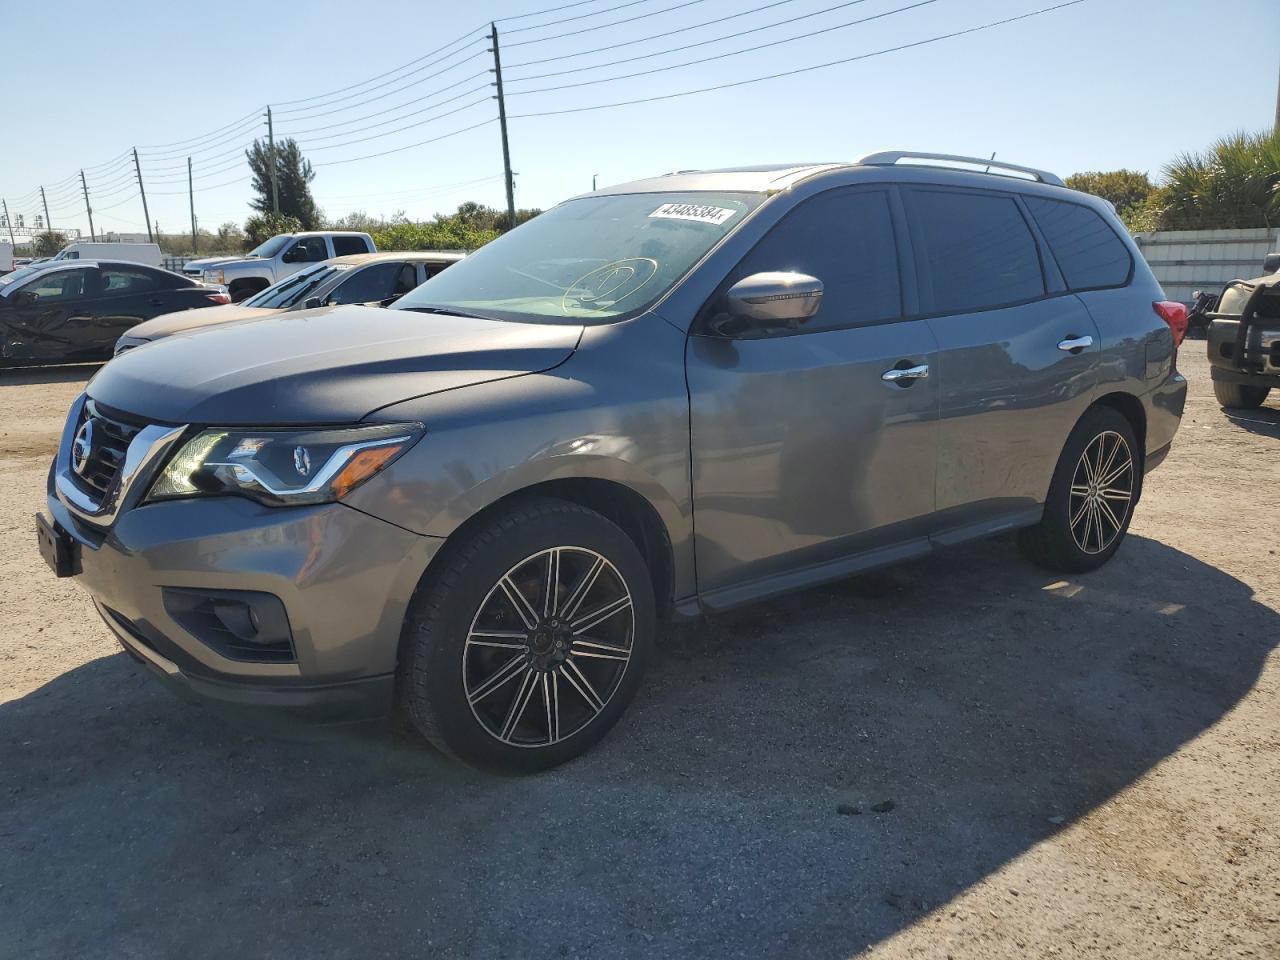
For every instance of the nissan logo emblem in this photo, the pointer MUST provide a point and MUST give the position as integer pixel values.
(82, 447)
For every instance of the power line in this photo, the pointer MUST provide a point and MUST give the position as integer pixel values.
(798, 70)
(538, 13)
(181, 147)
(604, 26)
(581, 16)
(408, 126)
(378, 113)
(399, 69)
(667, 33)
(730, 53)
(399, 194)
(420, 143)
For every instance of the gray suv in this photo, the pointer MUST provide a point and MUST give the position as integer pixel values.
(655, 401)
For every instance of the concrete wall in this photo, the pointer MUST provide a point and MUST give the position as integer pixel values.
(1188, 260)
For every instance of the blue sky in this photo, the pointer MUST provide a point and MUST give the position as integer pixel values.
(1098, 85)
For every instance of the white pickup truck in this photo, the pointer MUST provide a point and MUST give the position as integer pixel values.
(275, 259)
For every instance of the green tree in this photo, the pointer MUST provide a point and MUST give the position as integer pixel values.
(471, 226)
(1233, 184)
(1124, 188)
(49, 243)
(293, 177)
(230, 236)
(266, 225)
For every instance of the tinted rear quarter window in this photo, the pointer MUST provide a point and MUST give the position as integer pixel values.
(1088, 251)
(344, 246)
(975, 251)
(845, 239)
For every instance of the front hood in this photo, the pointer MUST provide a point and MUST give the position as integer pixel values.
(171, 323)
(206, 262)
(331, 365)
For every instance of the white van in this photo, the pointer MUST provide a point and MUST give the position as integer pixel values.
(6, 256)
(147, 253)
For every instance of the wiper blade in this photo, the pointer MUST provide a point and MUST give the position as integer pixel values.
(448, 311)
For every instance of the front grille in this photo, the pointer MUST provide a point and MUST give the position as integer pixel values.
(109, 437)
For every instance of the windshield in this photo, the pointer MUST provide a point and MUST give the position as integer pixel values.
(10, 280)
(269, 248)
(295, 288)
(593, 259)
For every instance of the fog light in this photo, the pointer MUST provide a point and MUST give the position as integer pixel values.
(238, 624)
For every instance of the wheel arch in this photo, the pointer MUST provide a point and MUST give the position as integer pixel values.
(1130, 407)
(630, 510)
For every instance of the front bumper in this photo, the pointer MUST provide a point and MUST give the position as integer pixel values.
(343, 577)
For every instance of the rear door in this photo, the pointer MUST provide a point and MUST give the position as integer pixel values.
(129, 294)
(806, 460)
(1017, 361)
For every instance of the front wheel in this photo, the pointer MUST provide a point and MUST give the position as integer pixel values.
(1239, 395)
(1091, 497)
(529, 641)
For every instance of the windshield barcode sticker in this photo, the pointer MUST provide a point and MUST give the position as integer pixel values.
(693, 211)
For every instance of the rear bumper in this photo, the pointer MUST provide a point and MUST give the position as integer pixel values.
(1229, 375)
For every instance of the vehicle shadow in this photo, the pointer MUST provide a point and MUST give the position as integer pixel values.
(65, 373)
(988, 701)
(1264, 421)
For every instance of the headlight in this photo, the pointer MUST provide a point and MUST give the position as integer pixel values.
(214, 276)
(282, 467)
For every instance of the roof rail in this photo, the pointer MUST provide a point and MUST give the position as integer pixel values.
(887, 158)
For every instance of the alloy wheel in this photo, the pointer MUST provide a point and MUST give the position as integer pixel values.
(548, 647)
(1101, 492)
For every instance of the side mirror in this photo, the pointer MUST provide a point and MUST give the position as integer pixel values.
(1271, 263)
(312, 302)
(25, 298)
(294, 254)
(769, 300)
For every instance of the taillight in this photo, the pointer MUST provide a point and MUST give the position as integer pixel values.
(1175, 315)
(221, 298)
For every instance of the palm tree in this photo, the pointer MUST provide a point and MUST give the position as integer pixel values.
(1236, 183)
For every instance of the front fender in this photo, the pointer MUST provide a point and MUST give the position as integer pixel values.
(579, 421)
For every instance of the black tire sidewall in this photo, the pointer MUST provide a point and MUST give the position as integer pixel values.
(440, 636)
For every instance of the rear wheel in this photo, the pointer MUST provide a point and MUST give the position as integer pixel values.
(1091, 497)
(530, 639)
(1239, 395)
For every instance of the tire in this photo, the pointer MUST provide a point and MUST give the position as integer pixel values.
(464, 633)
(1239, 395)
(244, 289)
(1099, 527)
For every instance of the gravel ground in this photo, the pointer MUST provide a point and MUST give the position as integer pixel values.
(960, 757)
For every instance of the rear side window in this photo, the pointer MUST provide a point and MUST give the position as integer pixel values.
(975, 251)
(845, 239)
(345, 246)
(1088, 251)
(124, 280)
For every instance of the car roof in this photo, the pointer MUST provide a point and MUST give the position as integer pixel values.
(416, 256)
(886, 166)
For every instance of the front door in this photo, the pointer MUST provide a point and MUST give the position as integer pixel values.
(1017, 359)
(805, 458)
(45, 319)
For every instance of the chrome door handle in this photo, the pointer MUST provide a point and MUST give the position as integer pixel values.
(898, 376)
(1071, 344)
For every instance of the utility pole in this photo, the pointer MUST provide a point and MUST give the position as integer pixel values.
(1276, 128)
(92, 236)
(9, 223)
(502, 122)
(191, 193)
(271, 146)
(593, 182)
(48, 224)
(142, 190)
